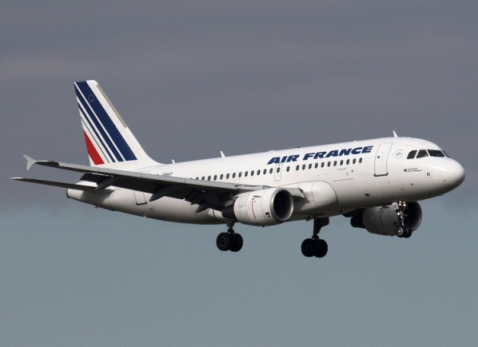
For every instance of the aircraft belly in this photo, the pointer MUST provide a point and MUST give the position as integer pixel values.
(125, 200)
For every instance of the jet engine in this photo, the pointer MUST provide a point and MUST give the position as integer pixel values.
(383, 220)
(262, 207)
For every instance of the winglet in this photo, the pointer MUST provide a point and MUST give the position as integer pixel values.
(30, 161)
(395, 134)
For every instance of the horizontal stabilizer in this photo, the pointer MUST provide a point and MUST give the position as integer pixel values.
(30, 161)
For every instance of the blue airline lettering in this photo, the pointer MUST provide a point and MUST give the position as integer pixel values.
(345, 151)
(367, 149)
(308, 155)
(321, 155)
(333, 153)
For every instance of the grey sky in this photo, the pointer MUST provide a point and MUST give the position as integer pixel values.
(194, 78)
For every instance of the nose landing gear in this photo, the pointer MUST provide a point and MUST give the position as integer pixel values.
(402, 230)
(315, 247)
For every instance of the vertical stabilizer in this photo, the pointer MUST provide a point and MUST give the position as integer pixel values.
(108, 138)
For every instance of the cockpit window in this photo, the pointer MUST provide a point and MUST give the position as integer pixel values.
(422, 153)
(411, 155)
(435, 153)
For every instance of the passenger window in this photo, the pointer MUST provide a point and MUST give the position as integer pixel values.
(270, 170)
(252, 173)
(203, 178)
(422, 153)
(297, 168)
(360, 161)
(258, 172)
(328, 164)
(288, 168)
(278, 169)
(208, 178)
(310, 166)
(435, 153)
(354, 161)
(303, 167)
(411, 155)
(215, 177)
(265, 171)
(341, 162)
(221, 177)
(335, 163)
(234, 175)
(240, 174)
(227, 176)
(322, 165)
(316, 165)
(348, 161)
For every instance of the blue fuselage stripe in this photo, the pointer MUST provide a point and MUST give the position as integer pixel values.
(107, 123)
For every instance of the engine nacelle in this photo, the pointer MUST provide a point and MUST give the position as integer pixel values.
(262, 207)
(383, 220)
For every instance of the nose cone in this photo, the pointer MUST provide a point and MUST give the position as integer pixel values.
(453, 174)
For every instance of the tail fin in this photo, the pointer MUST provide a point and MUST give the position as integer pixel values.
(108, 138)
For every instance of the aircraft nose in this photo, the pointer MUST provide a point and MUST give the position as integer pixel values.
(453, 174)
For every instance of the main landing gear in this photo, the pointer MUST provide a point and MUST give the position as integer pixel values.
(315, 246)
(402, 229)
(229, 241)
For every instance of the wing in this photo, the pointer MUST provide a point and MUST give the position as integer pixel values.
(206, 194)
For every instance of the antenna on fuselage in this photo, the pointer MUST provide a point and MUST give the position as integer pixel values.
(395, 134)
(222, 154)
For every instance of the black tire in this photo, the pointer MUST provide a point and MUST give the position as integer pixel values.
(223, 241)
(321, 248)
(237, 242)
(408, 233)
(400, 231)
(308, 247)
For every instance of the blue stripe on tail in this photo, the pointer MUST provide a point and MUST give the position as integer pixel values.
(106, 122)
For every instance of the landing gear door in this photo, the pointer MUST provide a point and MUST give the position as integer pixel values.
(381, 159)
(278, 172)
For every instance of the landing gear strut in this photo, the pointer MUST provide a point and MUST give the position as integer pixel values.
(315, 246)
(402, 229)
(229, 241)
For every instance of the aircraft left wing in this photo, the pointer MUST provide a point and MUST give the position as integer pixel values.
(207, 194)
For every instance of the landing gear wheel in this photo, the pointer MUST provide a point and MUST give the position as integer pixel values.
(308, 247)
(224, 241)
(321, 248)
(236, 243)
(408, 233)
(400, 231)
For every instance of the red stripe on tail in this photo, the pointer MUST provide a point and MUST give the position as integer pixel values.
(93, 153)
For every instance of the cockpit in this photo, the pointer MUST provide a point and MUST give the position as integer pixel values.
(422, 153)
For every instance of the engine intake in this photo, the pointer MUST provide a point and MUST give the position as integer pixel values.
(263, 207)
(383, 220)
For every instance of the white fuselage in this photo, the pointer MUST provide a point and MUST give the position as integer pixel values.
(335, 179)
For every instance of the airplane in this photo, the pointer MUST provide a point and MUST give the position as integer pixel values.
(376, 183)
